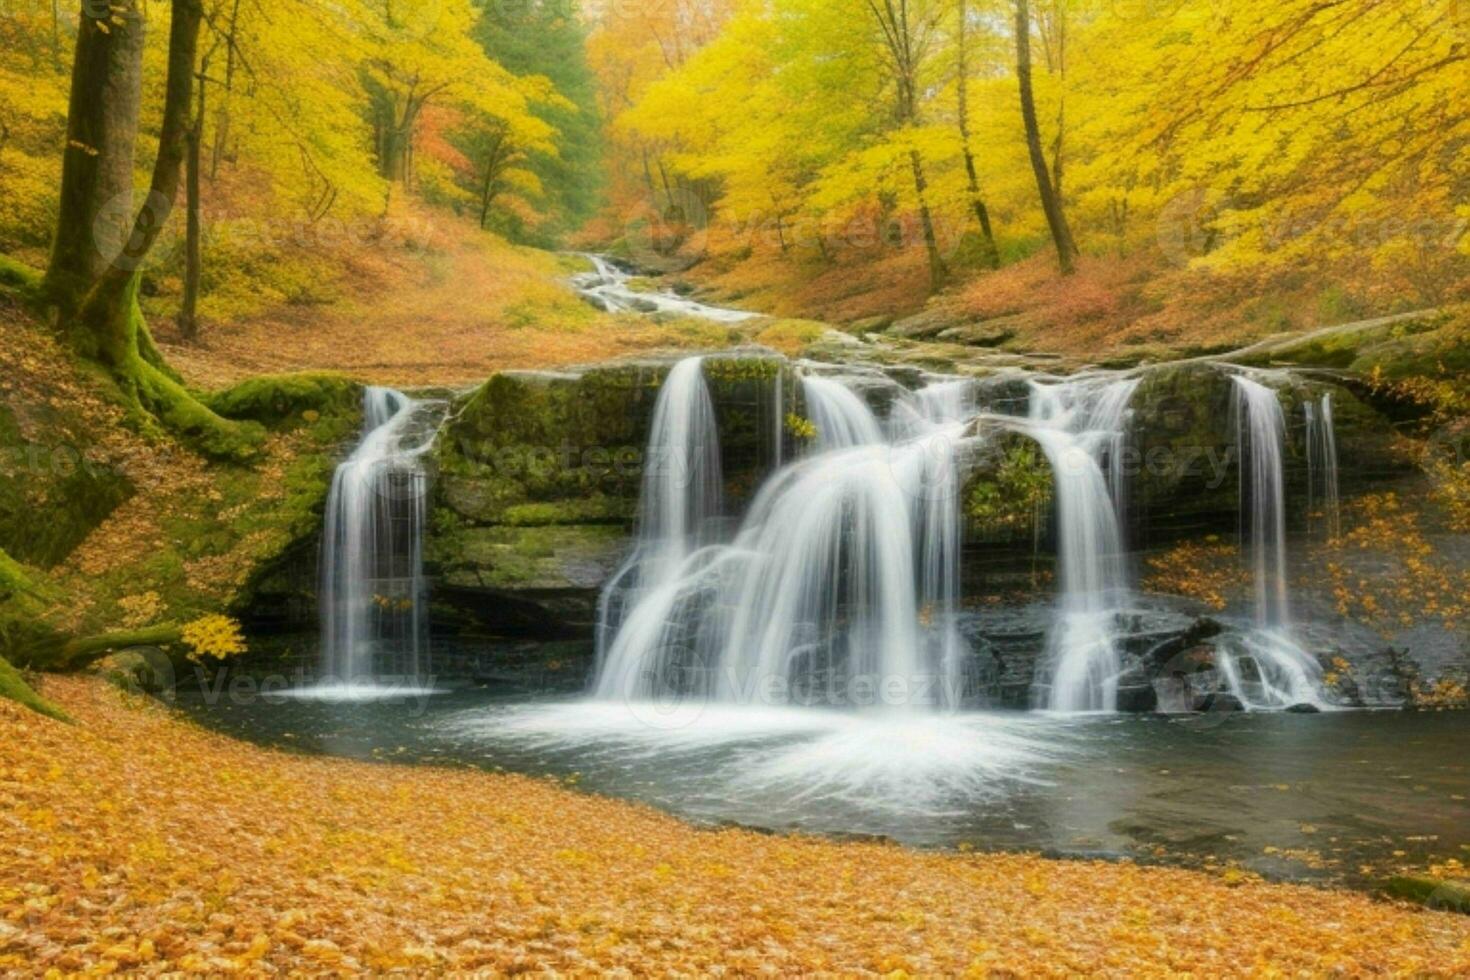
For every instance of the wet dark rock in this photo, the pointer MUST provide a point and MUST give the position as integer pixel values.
(983, 334)
(1220, 701)
(1304, 709)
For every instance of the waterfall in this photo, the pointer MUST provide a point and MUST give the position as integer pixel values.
(831, 589)
(681, 496)
(841, 418)
(1081, 427)
(1285, 674)
(1261, 432)
(372, 583)
(1322, 491)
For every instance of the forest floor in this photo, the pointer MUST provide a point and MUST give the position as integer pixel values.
(445, 305)
(138, 841)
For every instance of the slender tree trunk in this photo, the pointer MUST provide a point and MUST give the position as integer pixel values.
(898, 37)
(492, 171)
(648, 173)
(395, 134)
(937, 271)
(193, 261)
(977, 201)
(56, 33)
(222, 111)
(1057, 159)
(1056, 219)
(96, 207)
(663, 176)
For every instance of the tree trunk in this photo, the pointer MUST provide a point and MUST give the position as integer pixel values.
(977, 201)
(1056, 220)
(56, 33)
(189, 308)
(937, 271)
(391, 153)
(105, 330)
(96, 206)
(492, 171)
(108, 326)
(222, 111)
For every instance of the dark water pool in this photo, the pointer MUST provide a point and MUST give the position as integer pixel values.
(1347, 796)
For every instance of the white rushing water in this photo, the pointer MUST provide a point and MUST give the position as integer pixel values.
(1081, 426)
(838, 588)
(373, 621)
(607, 287)
(842, 582)
(680, 498)
(1266, 668)
(1322, 485)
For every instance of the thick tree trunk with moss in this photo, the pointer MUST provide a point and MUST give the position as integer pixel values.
(80, 652)
(107, 326)
(1051, 205)
(96, 206)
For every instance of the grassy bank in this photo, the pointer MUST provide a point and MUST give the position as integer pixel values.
(117, 851)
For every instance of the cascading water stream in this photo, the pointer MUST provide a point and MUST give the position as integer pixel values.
(845, 570)
(829, 591)
(607, 287)
(1322, 484)
(1081, 426)
(1285, 674)
(681, 496)
(841, 418)
(372, 586)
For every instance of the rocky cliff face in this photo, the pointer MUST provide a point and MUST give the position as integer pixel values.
(539, 474)
(537, 487)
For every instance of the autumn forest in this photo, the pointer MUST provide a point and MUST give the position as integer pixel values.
(835, 487)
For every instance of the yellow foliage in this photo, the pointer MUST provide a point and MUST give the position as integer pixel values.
(213, 637)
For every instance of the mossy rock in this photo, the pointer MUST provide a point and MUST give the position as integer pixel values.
(1432, 343)
(597, 509)
(530, 558)
(1436, 893)
(527, 438)
(524, 438)
(288, 399)
(139, 670)
(24, 600)
(53, 491)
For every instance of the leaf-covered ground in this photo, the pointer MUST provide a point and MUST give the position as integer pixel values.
(449, 306)
(135, 841)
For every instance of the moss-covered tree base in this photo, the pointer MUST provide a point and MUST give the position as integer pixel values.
(111, 331)
(13, 687)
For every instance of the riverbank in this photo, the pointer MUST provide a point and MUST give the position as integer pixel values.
(139, 841)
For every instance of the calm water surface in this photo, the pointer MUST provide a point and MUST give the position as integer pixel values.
(1345, 796)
